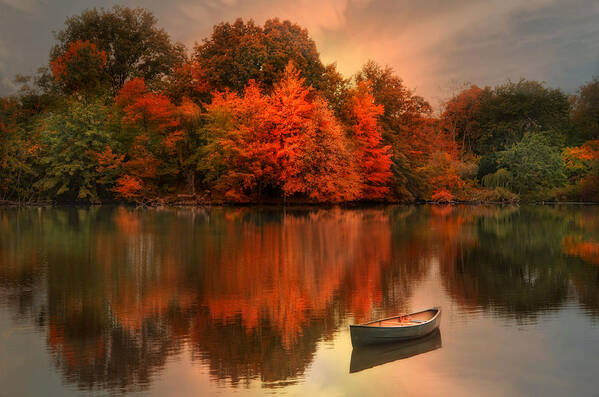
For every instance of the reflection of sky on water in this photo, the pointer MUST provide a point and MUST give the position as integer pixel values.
(481, 355)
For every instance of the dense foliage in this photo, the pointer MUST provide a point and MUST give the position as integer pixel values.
(251, 114)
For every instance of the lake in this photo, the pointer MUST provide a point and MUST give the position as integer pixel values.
(251, 301)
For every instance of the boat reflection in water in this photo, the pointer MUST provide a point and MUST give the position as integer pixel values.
(364, 357)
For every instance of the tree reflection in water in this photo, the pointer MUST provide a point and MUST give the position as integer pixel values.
(250, 292)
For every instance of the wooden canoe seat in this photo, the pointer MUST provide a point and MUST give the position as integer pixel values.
(403, 321)
(394, 323)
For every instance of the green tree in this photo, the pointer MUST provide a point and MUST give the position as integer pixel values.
(241, 51)
(493, 119)
(18, 152)
(510, 110)
(336, 90)
(76, 144)
(585, 113)
(534, 164)
(134, 45)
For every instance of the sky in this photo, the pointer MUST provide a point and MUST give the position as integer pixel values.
(436, 46)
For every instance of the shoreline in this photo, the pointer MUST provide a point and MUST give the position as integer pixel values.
(12, 204)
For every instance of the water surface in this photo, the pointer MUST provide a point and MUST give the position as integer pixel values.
(248, 301)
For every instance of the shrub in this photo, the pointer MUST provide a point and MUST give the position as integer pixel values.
(501, 178)
(498, 194)
(442, 196)
(534, 164)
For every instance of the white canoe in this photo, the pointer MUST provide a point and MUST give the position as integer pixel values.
(395, 329)
(368, 356)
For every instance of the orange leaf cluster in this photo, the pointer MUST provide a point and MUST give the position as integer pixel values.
(144, 108)
(373, 159)
(78, 64)
(108, 160)
(129, 187)
(589, 151)
(288, 141)
(161, 128)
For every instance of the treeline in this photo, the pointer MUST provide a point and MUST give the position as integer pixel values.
(251, 114)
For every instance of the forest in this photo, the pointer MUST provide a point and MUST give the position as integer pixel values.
(251, 114)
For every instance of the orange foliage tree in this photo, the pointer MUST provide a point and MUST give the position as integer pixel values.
(439, 162)
(322, 167)
(374, 159)
(156, 142)
(241, 155)
(459, 117)
(582, 166)
(187, 80)
(81, 68)
(314, 156)
(286, 143)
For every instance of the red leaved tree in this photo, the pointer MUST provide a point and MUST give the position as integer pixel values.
(241, 157)
(284, 144)
(322, 167)
(152, 124)
(187, 80)
(374, 159)
(459, 117)
(81, 68)
(314, 156)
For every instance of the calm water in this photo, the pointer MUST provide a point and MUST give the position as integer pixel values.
(252, 301)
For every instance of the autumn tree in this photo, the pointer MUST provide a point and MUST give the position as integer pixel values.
(240, 158)
(402, 109)
(80, 69)
(582, 168)
(314, 156)
(152, 136)
(187, 80)
(401, 126)
(284, 144)
(133, 44)
(373, 158)
(290, 111)
(19, 149)
(461, 117)
(436, 157)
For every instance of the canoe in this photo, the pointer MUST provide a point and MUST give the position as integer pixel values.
(396, 329)
(364, 357)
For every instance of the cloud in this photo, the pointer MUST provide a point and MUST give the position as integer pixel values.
(430, 43)
(316, 15)
(6, 85)
(26, 6)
